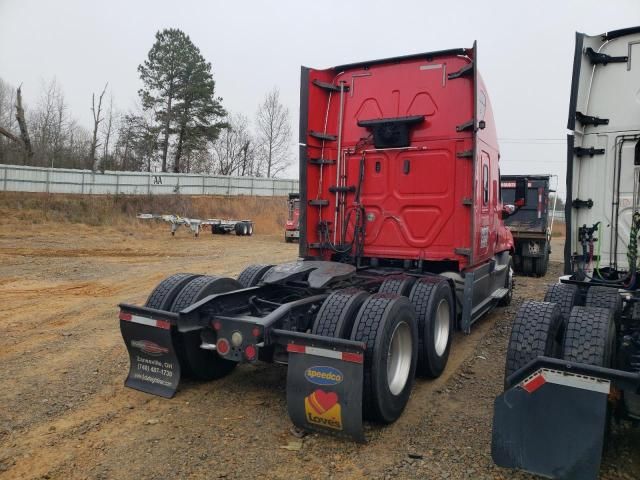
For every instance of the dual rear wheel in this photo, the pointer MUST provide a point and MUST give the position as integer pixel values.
(406, 328)
(558, 328)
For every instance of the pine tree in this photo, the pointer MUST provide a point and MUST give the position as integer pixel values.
(179, 88)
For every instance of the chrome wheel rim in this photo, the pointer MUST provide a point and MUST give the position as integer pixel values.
(399, 358)
(441, 333)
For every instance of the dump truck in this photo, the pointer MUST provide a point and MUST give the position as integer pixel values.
(573, 360)
(530, 224)
(292, 225)
(401, 242)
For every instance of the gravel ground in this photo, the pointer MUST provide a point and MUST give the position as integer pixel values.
(65, 413)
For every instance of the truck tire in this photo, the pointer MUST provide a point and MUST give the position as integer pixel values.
(387, 325)
(238, 228)
(338, 313)
(534, 333)
(603, 297)
(251, 275)
(565, 295)
(397, 284)
(287, 239)
(196, 362)
(590, 336)
(541, 264)
(508, 284)
(249, 229)
(435, 312)
(527, 266)
(162, 297)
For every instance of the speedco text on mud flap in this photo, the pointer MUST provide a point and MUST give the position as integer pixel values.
(323, 375)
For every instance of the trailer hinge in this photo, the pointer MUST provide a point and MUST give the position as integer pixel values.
(465, 126)
(323, 136)
(582, 151)
(602, 58)
(577, 203)
(319, 203)
(463, 251)
(345, 189)
(467, 201)
(465, 154)
(463, 72)
(321, 161)
(590, 120)
(330, 86)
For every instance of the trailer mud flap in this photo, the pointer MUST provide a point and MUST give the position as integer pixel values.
(324, 387)
(552, 424)
(154, 366)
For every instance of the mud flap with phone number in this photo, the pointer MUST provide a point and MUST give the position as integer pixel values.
(154, 366)
(324, 388)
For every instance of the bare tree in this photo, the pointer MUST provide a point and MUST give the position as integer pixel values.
(24, 131)
(274, 134)
(231, 152)
(107, 132)
(97, 118)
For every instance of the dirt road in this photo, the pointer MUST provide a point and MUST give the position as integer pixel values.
(65, 413)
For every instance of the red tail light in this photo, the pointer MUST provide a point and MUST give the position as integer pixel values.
(250, 352)
(222, 346)
(217, 325)
(256, 332)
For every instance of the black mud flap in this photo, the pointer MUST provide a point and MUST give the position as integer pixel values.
(154, 366)
(552, 424)
(324, 384)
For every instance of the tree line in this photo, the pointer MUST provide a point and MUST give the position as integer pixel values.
(178, 125)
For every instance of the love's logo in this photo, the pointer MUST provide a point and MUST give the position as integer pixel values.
(322, 408)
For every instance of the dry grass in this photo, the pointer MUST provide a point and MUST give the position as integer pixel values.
(268, 213)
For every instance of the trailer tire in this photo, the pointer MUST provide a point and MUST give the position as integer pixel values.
(590, 336)
(603, 297)
(162, 297)
(534, 333)
(196, 362)
(429, 296)
(250, 232)
(398, 285)
(565, 295)
(251, 275)
(238, 229)
(386, 324)
(338, 313)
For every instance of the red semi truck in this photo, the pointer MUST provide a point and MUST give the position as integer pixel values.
(401, 243)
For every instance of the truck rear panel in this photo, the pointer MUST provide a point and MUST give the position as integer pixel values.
(417, 194)
(603, 120)
(533, 217)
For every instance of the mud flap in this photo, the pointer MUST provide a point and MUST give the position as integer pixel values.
(552, 424)
(324, 385)
(154, 366)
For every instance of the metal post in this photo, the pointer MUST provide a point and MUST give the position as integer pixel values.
(48, 172)
(117, 183)
(82, 184)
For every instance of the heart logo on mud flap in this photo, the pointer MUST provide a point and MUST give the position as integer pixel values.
(323, 401)
(322, 408)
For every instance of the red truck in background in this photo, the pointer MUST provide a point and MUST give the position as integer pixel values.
(292, 225)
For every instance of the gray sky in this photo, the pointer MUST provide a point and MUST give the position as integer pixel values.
(525, 51)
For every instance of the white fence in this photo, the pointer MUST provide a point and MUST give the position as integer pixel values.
(14, 178)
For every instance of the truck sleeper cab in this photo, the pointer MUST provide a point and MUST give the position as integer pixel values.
(401, 242)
